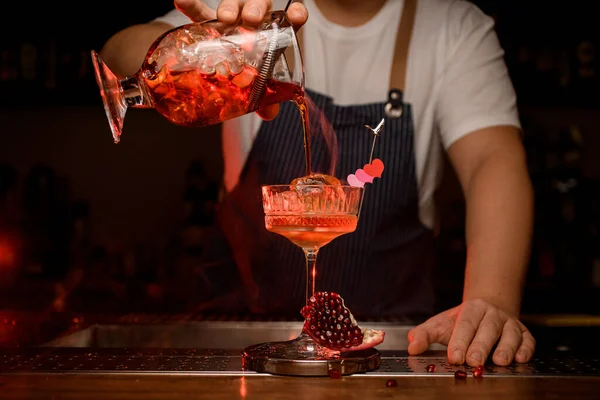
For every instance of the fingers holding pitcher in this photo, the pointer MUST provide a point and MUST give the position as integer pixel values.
(297, 14)
(251, 12)
(254, 11)
(195, 10)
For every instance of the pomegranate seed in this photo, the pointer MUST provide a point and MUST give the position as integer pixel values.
(431, 368)
(391, 383)
(335, 374)
(478, 372)
(460, 374)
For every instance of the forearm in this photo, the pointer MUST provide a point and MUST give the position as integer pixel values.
(499, 227)
(124, 52)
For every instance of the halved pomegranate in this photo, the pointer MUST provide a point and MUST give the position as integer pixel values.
(331, 324)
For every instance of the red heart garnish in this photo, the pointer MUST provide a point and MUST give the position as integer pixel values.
(375, 168)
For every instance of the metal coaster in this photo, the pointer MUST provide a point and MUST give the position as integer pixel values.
(281, 358)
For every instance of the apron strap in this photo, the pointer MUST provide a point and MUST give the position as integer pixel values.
(403, 36)
(395, 104)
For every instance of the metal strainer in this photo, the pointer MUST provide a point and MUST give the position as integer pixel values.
(268, 62)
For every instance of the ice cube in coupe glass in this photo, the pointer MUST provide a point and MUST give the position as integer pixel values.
(316, 179)
(317, 190)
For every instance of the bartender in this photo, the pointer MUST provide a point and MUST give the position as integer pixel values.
(437, 62)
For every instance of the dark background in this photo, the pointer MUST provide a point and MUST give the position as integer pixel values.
(89, 225)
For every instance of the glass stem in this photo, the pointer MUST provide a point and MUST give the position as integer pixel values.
(311, 271)
(134, 92)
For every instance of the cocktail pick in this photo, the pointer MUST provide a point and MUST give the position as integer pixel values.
(369, 171)
(287, 5)
(376, 132)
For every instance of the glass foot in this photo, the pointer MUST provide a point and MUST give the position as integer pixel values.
(115, 105)
(303, 357)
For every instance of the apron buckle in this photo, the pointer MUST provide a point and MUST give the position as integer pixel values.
(394, 106)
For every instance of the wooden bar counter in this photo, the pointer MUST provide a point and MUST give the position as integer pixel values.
(111, 386)
(156, 359)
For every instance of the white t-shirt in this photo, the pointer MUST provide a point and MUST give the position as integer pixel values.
(457, 80)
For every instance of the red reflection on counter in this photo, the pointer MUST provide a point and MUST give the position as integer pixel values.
(243, 387)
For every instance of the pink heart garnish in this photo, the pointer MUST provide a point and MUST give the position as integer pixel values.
(354, 181)
(375, 168)
(363, 176)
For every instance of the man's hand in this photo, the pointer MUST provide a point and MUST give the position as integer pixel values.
(470, 331)
(252, 12)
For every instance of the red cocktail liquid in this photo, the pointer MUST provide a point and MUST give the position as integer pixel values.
(193, 99)
(311, 231)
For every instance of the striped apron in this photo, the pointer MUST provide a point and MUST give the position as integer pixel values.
(384, 268)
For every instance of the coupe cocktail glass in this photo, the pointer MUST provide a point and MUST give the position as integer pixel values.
(310, 216)
(204, 73)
